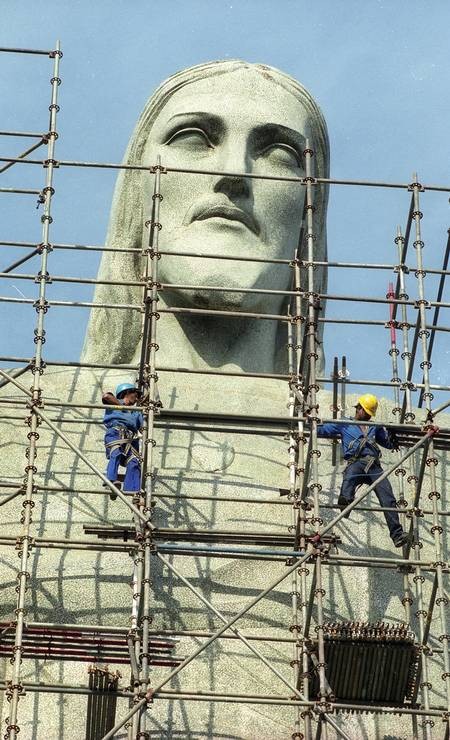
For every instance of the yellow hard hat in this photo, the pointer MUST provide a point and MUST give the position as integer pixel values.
(369, 403)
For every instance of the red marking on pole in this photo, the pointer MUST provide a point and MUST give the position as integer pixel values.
(391, 294)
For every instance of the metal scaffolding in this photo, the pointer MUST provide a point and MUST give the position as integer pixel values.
(319, 690)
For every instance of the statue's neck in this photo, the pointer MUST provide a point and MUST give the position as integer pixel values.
(215, 342)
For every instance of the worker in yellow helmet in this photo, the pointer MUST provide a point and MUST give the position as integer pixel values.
(361, 450)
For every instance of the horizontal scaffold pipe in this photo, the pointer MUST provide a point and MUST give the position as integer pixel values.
(27, 134)
(206, 312)
(20, 191)
(227, 257)
(209, 415)
(203, 312)
(223, 373)
(123, 631)
(217, 499)
(218, 288)
(247, 175)
(127, 547)
(169, 695)
(42, 52)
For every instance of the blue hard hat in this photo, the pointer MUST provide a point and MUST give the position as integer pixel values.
(122, 388)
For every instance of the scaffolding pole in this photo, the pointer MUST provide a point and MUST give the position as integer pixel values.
(432, 461)
(15, 689)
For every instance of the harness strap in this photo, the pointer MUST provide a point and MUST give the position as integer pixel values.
(371, 459)
(362, 443)
(126, 438)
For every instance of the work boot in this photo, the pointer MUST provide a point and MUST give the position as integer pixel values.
(343, 503)
(112, 494)
(401, 540)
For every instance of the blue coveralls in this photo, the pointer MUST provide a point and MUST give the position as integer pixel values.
(363, 454)
(122, 446)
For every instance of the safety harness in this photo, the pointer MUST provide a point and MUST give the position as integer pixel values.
(356, 446)
(125, 441)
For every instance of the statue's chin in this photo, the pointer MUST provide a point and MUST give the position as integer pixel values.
(219, 300)
(215, 236)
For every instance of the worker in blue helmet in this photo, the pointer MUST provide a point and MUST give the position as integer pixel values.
(121, 437)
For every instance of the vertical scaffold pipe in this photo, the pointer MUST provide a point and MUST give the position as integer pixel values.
(401, 471)
(151, 405)
(409, 416)
(296, 470)
(311, 390)
(343, 375)
(134, 635)
(432, 461)
(421, 613)
(37, 365)
(335, 408)
(139, 500)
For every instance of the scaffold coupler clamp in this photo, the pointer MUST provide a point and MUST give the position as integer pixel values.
(155, 167)
(37, 402)
(10, 688)
(40, 200)
(316, 540)
(318, 546)
(323, 706)
(149, 696)
(35, 368)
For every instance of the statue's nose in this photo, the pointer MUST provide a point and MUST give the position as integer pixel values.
(235, 186)
(233, 159)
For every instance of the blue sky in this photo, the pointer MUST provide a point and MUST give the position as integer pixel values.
(379, 71)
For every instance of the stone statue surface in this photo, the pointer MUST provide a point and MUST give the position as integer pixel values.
(222, 117)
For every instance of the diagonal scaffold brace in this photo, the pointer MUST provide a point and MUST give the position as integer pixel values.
(38, 412)
(153, 693)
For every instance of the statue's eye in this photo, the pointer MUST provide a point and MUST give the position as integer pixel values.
(191, 138)
(282, 155)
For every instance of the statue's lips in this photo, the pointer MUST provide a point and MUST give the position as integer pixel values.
(230, 213)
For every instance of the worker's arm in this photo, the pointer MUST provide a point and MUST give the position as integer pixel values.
(109, 399)
(386, 439)
(330, 429)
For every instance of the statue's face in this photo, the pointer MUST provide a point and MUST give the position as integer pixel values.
(237, 122)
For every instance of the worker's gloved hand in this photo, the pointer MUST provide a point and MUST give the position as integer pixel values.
(431, 430)
(394, 440)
